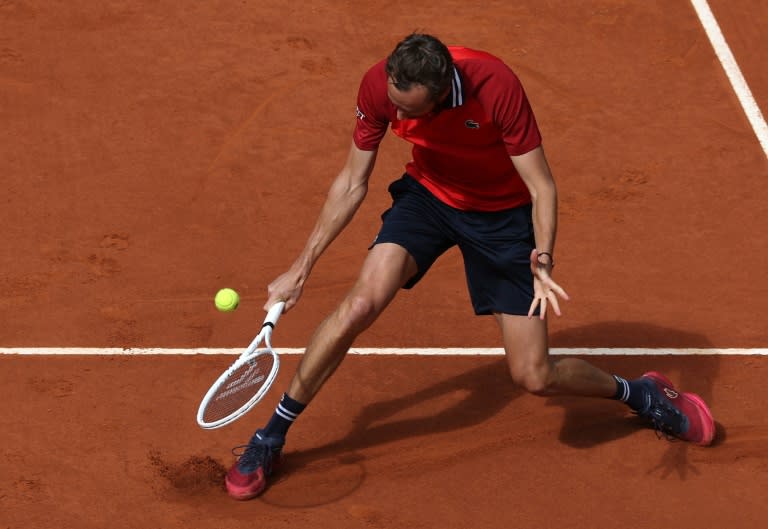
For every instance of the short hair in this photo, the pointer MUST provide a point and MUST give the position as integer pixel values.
(421, 59)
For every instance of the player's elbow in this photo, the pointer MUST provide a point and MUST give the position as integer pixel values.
(349, 187)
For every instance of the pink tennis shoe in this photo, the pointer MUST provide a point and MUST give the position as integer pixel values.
(682, 415)
(248, 476)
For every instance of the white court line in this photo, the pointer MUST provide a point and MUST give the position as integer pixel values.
(733, 72)
(418, 351)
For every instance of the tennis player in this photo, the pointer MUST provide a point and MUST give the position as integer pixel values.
(478, 180)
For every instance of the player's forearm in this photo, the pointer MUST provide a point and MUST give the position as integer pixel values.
(545, 217)
(343, 200)
(534, 170)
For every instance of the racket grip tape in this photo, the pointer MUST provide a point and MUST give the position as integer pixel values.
(274, 314)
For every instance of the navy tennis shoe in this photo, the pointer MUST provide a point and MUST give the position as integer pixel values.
(260, 457)
(682, 415)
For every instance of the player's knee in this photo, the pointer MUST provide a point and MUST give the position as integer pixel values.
(534, 380)
(359, 311)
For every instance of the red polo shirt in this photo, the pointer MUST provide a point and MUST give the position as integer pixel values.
(461, 153)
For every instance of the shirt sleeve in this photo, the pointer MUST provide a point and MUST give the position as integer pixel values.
(372, 116)
(513, 114)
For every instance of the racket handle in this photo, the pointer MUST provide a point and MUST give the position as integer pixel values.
(274, 314)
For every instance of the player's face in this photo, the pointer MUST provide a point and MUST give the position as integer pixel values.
(412, 103)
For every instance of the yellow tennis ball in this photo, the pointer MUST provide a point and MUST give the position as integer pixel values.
(227, 300)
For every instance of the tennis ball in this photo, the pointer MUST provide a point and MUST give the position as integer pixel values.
(227, 300)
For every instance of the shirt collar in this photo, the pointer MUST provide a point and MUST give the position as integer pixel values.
(457, 89)
(456, 95)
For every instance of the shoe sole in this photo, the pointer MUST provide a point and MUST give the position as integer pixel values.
(243, 494)
(702, 410)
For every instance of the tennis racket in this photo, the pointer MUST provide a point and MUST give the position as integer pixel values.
(246, 381)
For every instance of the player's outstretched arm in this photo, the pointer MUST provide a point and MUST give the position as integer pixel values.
(535, 172)
(344, 197)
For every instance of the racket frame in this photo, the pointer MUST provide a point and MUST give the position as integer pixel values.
(251, 352)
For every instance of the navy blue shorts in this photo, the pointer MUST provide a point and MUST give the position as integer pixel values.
(496, 246)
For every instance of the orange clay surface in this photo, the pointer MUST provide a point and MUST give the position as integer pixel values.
(154, 152)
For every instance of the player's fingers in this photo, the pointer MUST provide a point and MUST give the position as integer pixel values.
(294, 300)
(555, 304)
(534, 304)
(276, 298)
(288, 303)
(543, 311)
(272, 298)
(291, 300)
(559, 290)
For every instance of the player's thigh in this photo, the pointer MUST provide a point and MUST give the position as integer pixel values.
(525, 344)
(417, 222)
(496, 247)
(386, 268)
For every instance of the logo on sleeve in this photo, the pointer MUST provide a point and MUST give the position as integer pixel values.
(359, 114)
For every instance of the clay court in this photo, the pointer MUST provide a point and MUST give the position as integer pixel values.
(154, 152)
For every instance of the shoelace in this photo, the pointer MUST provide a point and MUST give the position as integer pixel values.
(667, 420)
(252, 456)
(663, 432)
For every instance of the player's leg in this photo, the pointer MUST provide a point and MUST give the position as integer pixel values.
(386, 269)
(496, 247)
(682, 415)
(409, 241)
(532, 368)
(411, 238)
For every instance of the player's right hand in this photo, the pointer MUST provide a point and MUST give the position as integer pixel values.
(287, 287)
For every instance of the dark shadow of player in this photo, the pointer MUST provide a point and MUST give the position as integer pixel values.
(487, 389)
(591, 422)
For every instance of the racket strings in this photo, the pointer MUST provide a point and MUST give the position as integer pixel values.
(237, 389)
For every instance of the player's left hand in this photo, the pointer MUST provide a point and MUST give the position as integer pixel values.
(545, 290)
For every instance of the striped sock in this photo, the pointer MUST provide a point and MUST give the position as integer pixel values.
(286, 412)
(630, 392)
